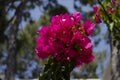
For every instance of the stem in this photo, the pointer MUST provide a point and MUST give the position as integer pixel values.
(55, 70)
(105, 11)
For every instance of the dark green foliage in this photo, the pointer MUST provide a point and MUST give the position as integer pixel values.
(85, 2)
(57, 10)
(55, 70)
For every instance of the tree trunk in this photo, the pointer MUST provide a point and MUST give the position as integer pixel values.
(115, 62)
(12, 44)
(3, 21)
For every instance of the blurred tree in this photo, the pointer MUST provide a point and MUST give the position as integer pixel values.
(26, 47)
(112, 20)
(25, 40)
(12, 44)
(3, 21)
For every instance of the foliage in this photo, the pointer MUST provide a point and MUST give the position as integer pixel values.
(109, 13)
(54, 68)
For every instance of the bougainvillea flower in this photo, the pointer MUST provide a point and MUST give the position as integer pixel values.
(96, 10)
(77, 17)
(98, 19)
(110, 10)
(114, 1)
(89, 27)
(65, 39)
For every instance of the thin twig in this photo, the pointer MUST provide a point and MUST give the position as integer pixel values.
(105, 11)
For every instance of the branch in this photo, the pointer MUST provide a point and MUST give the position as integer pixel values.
(18, 13)
(105, 11)
(109, 18)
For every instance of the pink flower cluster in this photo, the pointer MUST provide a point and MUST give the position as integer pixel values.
(114, 1)
(97, 14)
(110, 10)
(98, 11)
(66, 39)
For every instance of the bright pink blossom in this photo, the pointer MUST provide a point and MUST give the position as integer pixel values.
(77, 17)
(97, 14)
(85, 52)
(98, 19)
(89, 27)
(64, 40)
(95, 9)
(114, 1)
(110, 10)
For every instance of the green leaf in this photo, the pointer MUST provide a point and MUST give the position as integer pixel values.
(111, 26)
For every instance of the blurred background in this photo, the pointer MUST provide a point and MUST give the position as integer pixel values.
(19, 23)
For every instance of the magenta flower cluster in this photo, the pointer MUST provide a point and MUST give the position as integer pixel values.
(66, 39)
(114, 1)
(97, 14)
